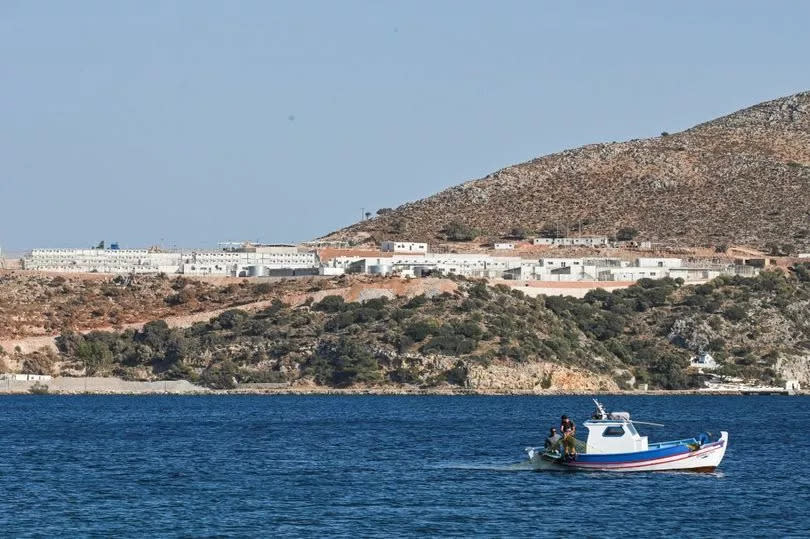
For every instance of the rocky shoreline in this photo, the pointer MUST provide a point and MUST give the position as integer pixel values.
(117, 386)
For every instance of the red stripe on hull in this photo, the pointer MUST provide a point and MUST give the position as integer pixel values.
(641, 463)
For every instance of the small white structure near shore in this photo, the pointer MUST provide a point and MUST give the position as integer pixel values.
(15, 377)
(704, 361)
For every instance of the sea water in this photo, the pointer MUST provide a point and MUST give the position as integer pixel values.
(384, 466)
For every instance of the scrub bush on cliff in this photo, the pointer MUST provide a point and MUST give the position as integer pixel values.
(220, 375)
(457, 231)
(330, 304)
(342, 363)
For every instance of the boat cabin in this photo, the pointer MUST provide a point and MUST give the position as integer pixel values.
(614, 435)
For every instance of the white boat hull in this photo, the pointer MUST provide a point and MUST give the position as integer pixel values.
(705, 459)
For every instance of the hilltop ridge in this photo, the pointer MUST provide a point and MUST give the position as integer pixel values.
(743, 179)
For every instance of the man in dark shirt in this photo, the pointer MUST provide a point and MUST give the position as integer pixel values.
(569, 430)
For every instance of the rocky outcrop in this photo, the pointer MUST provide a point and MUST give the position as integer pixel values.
(795, 368)
(535, 377)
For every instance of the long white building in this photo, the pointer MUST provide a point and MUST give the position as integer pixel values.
(552, 269)
(255, 261)
(261, 260)
(103, 260)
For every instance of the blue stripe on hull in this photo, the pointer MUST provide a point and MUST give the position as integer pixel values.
(618, 458)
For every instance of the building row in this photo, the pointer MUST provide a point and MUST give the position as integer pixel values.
(407, 259)
(519, 268)
(244, 261)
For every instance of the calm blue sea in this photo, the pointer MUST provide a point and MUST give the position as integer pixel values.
(383, 466)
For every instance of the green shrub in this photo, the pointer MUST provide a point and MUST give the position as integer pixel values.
(626, 234)
(458, 374)
(469, 329)
(340, 321)
(449, 344)
(734, 313)
(330, 304)
(220, 375)
(420, 329)
(458, 231)
(416, 302)
(344, 363)
(403, 375)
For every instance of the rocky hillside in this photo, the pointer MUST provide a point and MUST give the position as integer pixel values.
(471, 336)
(741, 179)
(33, 304)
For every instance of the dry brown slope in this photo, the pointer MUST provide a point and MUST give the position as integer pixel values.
(742, 179)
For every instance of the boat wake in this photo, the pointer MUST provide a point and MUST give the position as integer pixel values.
(524, 466)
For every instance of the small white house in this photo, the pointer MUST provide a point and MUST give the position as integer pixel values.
(504, 246)
(403, 247)
(704, 360)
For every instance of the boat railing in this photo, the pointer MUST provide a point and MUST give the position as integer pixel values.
(672, 443)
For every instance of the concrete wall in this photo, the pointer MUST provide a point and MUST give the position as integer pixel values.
(101, 385)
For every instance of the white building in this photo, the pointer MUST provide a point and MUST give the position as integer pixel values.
(691, 275)
(469, 265)
(103, 260)
(245, 262)
(403, 247)
(659, 262)
(632, 274)
(504, 246)
(704, 360)
(255, 261)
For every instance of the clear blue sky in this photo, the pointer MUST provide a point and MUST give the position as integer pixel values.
(195, 122)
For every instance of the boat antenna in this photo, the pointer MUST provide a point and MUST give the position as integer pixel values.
(646, 423)
(600, 410)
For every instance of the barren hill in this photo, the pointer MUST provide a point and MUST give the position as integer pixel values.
(739, 179)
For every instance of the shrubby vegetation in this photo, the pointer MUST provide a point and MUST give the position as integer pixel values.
(458, 231)
(650, 330)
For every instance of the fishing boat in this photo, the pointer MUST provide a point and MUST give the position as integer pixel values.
(613, 444)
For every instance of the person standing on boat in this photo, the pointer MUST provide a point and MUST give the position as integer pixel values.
(566, 424)
(569, 431)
